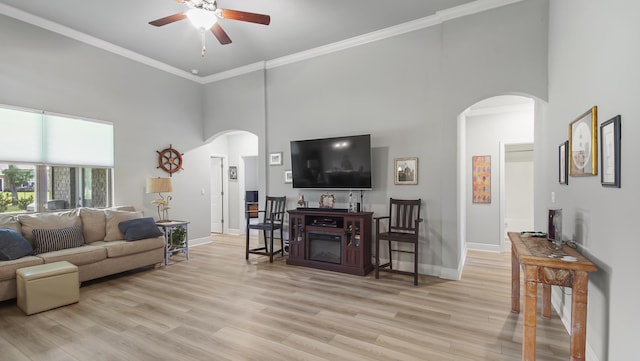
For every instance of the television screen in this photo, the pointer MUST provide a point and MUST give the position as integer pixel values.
(330, 163)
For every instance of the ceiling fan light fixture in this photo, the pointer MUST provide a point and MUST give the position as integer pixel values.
(202, 19)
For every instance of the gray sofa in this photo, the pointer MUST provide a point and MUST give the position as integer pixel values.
(104, 251)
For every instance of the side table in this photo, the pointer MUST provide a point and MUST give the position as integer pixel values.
(168, 228)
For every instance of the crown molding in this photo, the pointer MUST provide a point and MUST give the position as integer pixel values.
(436, 19)
(233, 72)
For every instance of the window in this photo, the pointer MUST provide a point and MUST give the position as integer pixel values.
(51, 162)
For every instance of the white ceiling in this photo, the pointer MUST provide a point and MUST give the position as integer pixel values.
(296, 26)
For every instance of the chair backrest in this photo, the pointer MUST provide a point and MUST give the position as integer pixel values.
(274, 209)
(404, 214)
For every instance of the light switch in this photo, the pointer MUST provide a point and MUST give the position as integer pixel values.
(553, 197)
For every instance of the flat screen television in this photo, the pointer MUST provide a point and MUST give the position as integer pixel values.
(332, 163)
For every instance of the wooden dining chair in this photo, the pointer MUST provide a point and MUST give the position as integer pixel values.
(401, 226)
(272, 221)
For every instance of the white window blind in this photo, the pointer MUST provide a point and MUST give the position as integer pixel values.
(33, 137)
(21, 139)
(77, 142)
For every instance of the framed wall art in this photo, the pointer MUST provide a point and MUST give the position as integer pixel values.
(405, 171)
(327, 200)
(275, 158)
(288, 176)
(610, 152)
(583, 144)
(481, 174)
(233, 172)
(563, 164)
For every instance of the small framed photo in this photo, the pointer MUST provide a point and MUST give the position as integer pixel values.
(610, 152)
(275, 158)
(327, 200)
(405, 171)
(288, 176)
(583, 144)
(233, 172)
(563, 164)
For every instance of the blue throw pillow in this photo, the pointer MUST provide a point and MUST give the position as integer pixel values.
(13, 245)
(139, 228)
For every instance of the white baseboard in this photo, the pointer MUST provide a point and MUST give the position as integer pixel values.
(483, 247)
(199, 241)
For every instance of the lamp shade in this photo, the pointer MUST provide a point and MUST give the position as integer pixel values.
(159, 185)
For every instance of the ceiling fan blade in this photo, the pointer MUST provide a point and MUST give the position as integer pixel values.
(245, 16)
(220, 34)
(168, 19)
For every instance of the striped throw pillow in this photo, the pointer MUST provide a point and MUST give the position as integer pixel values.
(48, 240)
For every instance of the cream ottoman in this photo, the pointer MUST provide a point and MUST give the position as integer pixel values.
(47, 286)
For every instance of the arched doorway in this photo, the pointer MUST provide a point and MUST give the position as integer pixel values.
(234, 169)
(498, 134)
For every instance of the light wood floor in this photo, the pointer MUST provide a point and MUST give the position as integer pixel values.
(217, 306)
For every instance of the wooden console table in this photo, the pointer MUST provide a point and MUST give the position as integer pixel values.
(544, 264)
(330, 239)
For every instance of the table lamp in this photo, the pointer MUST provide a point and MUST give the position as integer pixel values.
(161, 185)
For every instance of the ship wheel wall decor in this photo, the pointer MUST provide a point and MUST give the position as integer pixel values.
(169, 160)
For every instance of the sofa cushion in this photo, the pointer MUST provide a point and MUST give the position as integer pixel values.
(124, 248)
(10, 221)
(79, 256)
(13, 245)
(139, 228)
(48, 221)
(8, 268)
(48, 240)
(94, 223)
(113, 220)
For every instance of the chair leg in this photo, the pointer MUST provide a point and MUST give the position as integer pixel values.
(270, 250)
(415, 264)
(281, 242)
(246, 255)
(377, 273)
(390, 258)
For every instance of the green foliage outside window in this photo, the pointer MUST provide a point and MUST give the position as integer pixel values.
(5, 201)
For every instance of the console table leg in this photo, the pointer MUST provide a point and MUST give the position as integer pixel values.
(515, 282)
(546, 300)
(530, 305)
(579, 315)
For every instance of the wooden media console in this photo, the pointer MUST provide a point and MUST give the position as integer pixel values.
(330, 239)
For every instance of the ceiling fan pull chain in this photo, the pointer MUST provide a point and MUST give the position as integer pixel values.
(203, 47)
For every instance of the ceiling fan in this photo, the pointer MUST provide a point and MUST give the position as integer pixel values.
(204, 15)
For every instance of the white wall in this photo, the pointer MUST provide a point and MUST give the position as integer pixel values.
(593, 60)
(407, 92)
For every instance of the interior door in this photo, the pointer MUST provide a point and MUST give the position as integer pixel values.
(217, 193)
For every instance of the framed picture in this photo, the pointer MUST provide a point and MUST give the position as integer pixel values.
(610, 152)
(563, 165)
(275, 158)
(583, 144)
(405, 171)
(233, 172)
(327, 201)
(288, 176)
(481, 174)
